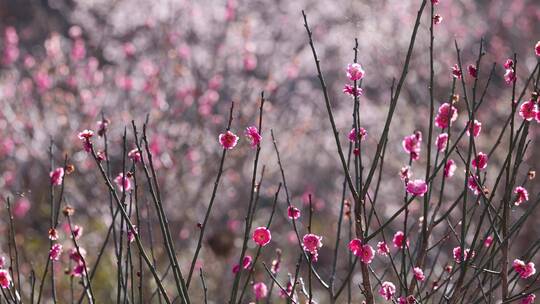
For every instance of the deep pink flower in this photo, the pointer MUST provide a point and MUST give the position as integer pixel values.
(55, 252)
(382, 248)
(450, 168)
(475, 128)
(5, 278)
(236, 269)
(78, 270)
(456, 252)
(435, 2)
(135, 155)
(405, 173)
(407, 300)
(437, 19)
(480, 161)
(522, 195)
(354, 92)
(293, 212)
(57, 176)
(253, 135)
(260, 290)
(537, 49)
(363, 251)
(446, 115)
(488, 241)
(361, 134)
(262, 236)
(473, 184)
(387, 290)
(418, 274)
(411, 144)
(123, 183)
(131, 235)
(21, 208)
(528, 110)
(228, 140)
(399, 240)
(509, 76)
(417, 187)
(355, 72)
(508, 64)
(246, 261)
(529, 299)
(473, 71)
(311, 243)
(456, 71)
(525, 270)
(441, 142)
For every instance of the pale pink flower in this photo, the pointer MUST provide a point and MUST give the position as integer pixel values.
(351, 90)
(525, 270)
(123, 183)
(21, 208)
(456, 71)
(450, 168)
(55, 252)
(53, 234)
(417, 187)
(473, 71)
(57, 176)
(253, 135)
(363, 251)
(522, 195)
(382, 248)
(529, 299)
(528, 110)
(77, 231)
(228, 140)
(399, 240)
(2, 262)
(262, 236)
(135, 155)
(437, 19)
(85, 134)
(537, 49)
(488, 241)
(361, 134)
(456, 252)
(411, 144)
(418, 274)
(311, 243)
(260, 290)
(355, 72)
(387, 290)
(441, 142)
(446, 115)
(480, 161)
(475, 128)
(5, 278)
(405, 173)
(293, 212)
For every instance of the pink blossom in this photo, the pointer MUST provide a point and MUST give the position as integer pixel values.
(509, 76)
(228, 140)
(363, 251)
(456, 71)
(405, 173)
(355, 72)
(441, 142)
(253, 136)
(473, 71)
(85, 136)
(399, 239)
(21, 207)
(246, 261)
(488, 241)
(2, 262)
(473, 184)
(354, 92)
(437, 19)
(450, 168)
(537, 49)
(508, 64)
(529, 299)
(5, 278)
(480, 161)
(522, 195)
(407, 300)
(75, 254)
(77, 231)
(53, 234)
(387, 290)
(528, 110)
(57, 176)
(311, 243)
(78, 270)
(55, 252)
(262, 236)
(418, 274)
(456, 252)
(476, 127)
(123, 183)
(411, 144)
(131, 233)
(260, 290)
(293, 212)
(435, 2)
(525, 270)
(446, 115)
(382, 248)
(135, 155)
(361, 134)
(417, 187)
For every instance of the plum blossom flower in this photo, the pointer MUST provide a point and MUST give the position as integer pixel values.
(405, 173)
(456, 71)
(437, 19)
(260, 290)
(363, 251)
(86, 136)
(446, 115)
(480, 161)
(399, 240)
(246, 262)
(473, 71)
(55, 252)
(5, 278)
(293, 212)
(509, 64)
(354, 92)
(411, 144)
(382, 248)
(361, 134)
(135, 155)
(488, 241)
(525, 270)
(537, 49)
(57, 176)
(456, 252)
(253, 135)
(522, 195)
(355, 72)
(407, 300)
(441, 142)
(123, 183)
(509, 76)
(228, 140)
(475, 128)
(449, 168)
(387, 290)
(418, 274)
(528, 110)
(311, 243)
(473, 184)
(529, 299)
(417, 187)
(53, 234)
(77, 231)
(131, 233)
(262, 236)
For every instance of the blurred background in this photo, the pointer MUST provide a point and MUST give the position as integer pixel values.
(66, 62)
